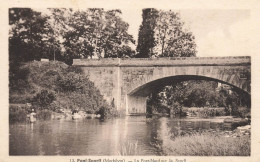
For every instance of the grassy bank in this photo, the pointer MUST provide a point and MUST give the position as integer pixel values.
(207, 144)
(195, 144)
(53, 86)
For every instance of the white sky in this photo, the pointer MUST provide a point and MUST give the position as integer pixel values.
(217, 32)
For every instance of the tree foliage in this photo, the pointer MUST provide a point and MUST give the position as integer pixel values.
(64, 34)
(146, 37)
(96, 32)
(162, 35)
(43, 99)
(54, 85)
(200, 93)
(29, 34)
(192, 93)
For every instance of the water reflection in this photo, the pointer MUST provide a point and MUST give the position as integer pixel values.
(96, 137)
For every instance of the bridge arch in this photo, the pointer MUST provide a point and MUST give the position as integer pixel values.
(155, 85)
(145, 85)
(239, 78)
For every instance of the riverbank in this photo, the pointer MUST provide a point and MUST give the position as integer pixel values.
(233, 140)
(214, 143)
(217, 119)
(54, 86)
(208, 144)
(21, 114)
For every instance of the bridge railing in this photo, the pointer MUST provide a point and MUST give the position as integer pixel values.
(165, 61)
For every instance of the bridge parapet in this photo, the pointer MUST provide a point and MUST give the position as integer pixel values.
(165, 61)
(97, 62)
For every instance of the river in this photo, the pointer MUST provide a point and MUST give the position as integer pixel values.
(99, 137)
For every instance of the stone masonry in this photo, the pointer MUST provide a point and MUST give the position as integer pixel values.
(128, 81)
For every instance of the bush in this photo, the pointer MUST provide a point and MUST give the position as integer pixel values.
(55, 106)
(73, 90)
(175, 109)
(206, 112)
(107, 112)
(211, 112)
(19, 99)
(44, 114)
(244, 112)
(17, 114)
(74, 69)
(220, 112)
(68, 82)
(43, 99)
(49, 79)
(18, 79)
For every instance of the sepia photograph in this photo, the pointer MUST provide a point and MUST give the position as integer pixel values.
(129, 82)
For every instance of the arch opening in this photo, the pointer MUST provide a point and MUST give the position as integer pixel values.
(138, 96)
(155, 85)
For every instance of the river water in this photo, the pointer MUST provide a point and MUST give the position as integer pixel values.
(97, 137)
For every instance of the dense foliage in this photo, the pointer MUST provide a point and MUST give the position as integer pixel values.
(199, 93)
(64, 34)
(43, 99)
(54, 85)
(30, 35)
(17, 114)
(162, 34)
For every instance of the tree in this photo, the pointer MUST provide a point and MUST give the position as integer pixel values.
(172, 40)
(162, 35)
(29, 34)
(78, 36)
(96, 32)
(64, 34)
(116, 39)
(146, 40)
(197, 93)
(58, 19)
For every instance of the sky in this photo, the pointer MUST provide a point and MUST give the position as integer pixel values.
(217, 32)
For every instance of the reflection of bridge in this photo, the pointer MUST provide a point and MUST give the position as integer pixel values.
(127, 82)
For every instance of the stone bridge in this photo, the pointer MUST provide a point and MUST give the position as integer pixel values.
(128, 81)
